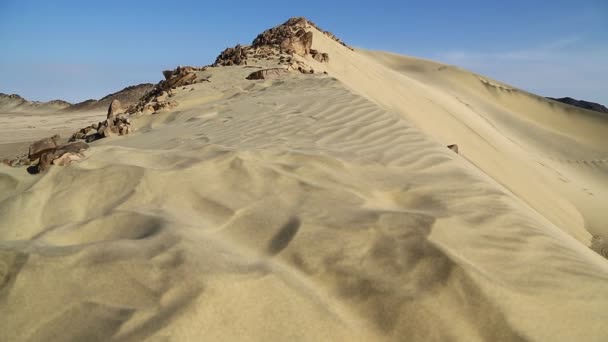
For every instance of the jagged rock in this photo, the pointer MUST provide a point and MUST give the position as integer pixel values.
(299, 43)
(276, 35)
(267, 74)
(115, 108)
(232, 56)
(290, 37)
(453, 147)
(181, 80)
(41, 146)
(181, 76)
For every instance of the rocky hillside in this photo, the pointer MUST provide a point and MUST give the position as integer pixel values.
(127, 96)
(582, 104)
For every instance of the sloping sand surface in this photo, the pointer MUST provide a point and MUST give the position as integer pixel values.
(318, 207)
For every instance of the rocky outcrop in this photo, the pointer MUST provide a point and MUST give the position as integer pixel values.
(232, 56)
(180, 77)
(62, 155)
(596, 107)
(49, 151)
(158, 98)
(115, 108)
(291, 38)
(267, 74)
(42, 146)
(298, 44)
(119, 124)
(277, 35)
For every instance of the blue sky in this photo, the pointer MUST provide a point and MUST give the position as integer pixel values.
(76, 50)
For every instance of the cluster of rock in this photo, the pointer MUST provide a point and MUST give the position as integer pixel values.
(319, 56)
(159, 97)
(116, 123)
(49, 151)
(232, 56)
(290, 38)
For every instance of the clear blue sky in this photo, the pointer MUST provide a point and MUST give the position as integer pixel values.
(75, 50)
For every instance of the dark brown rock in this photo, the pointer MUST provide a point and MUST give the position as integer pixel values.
(453, 147)
(42, 146)
(232, 56)
(47, 158)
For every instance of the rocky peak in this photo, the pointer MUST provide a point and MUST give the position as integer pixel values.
(291, 37)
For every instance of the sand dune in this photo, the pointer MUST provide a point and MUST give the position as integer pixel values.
(318, 207)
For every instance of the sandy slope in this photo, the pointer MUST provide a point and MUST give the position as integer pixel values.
(317, 208)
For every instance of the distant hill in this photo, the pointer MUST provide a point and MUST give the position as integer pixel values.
(14, 103)
(582, 104)
(127, 96)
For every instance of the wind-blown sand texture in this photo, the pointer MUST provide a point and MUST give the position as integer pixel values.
(319, 208)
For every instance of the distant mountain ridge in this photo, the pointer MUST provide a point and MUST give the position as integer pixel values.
(16, 103)
(127, 96)
(582, 104)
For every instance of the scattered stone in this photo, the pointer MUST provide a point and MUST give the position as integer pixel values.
(41, 146)
(267, 74)
(104, 129)
(453, 147)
